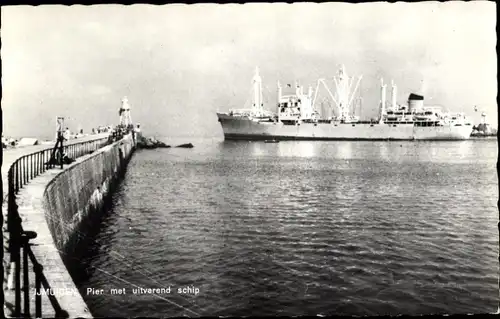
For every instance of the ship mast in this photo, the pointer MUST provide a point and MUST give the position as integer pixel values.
(280, 94)
(322, 81)
(342, 84)
(383, 88)
(394, 94)
(345, 93)
(257, 92)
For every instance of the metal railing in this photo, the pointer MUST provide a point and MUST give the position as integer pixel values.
(22, 171)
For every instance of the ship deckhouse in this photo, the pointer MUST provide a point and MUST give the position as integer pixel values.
(416, 113)
(295, 108)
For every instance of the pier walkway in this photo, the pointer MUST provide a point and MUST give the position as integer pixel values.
(33, 188)
(10, 155)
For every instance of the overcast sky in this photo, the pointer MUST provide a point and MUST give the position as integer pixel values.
(179, 64)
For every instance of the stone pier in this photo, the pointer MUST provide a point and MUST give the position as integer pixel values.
(53, 205)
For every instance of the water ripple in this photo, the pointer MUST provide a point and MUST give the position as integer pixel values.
(264, 229)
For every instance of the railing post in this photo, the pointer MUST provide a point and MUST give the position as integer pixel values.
(26, 164)
(31, 166)
(40, 163)
(24, 241)
(38, 283)
(21, 172)
(17, 263)
(44, 160)
(26, 285)
(10, 198)
(38, 168)
(17, 177)
(62, 151)
(51, 163)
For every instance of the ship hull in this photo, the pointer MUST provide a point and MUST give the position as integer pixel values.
(244, 128)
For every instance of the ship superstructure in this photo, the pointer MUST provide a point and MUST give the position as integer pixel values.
(297, 116)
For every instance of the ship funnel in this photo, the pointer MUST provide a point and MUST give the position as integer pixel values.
(415, 102)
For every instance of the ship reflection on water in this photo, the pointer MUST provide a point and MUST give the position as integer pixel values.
(302, 149)
(297, 149)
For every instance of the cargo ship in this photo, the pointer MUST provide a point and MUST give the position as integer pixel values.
(297, 117)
